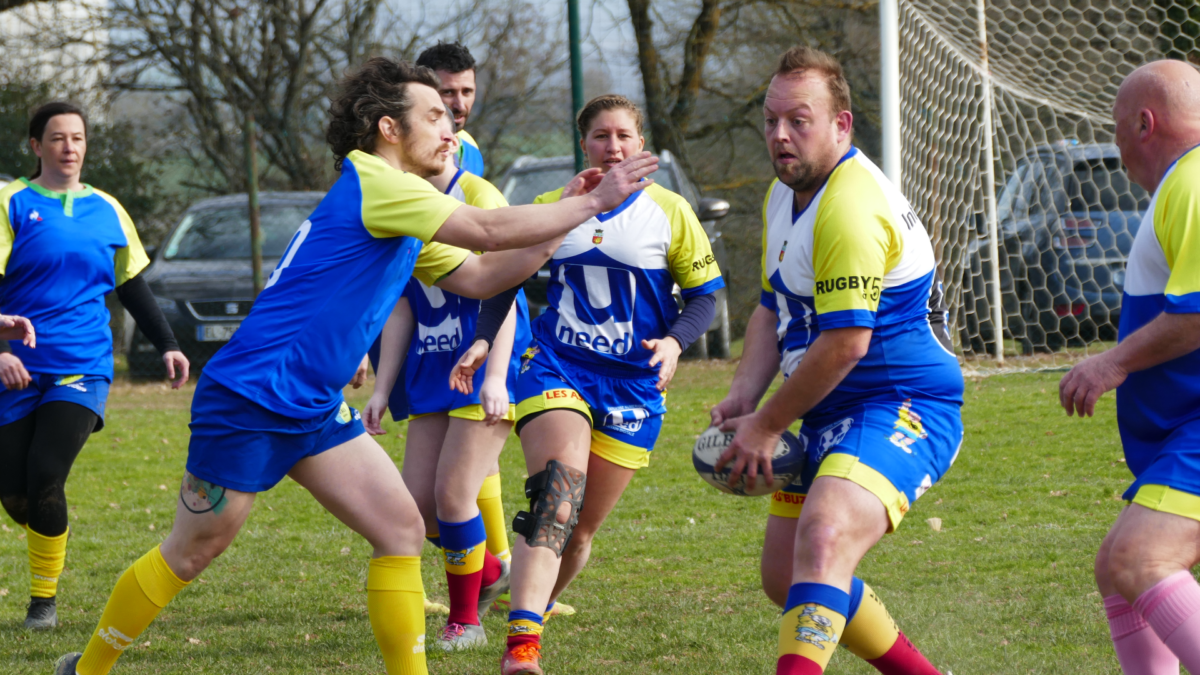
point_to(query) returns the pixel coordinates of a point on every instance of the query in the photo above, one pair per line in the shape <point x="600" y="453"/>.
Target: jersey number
<point x="293" y="246"/>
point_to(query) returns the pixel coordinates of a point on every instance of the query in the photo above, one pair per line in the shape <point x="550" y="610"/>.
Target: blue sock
<point x="856" y="595"/>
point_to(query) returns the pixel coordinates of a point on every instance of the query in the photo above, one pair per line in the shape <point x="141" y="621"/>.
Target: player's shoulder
<point x="467" y="138"/>
<point x="549" y="197"/>
<point x="375" y="174"/>
<point x="480" y="192"/>
<point x="1183" y="178"/>
<point x="672" y="203"/>
<point x="8" y="191"/>
<point x="855" y="189"/>
<point x="113" y="201"/>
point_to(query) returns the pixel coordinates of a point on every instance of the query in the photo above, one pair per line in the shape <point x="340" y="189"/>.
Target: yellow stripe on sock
<point x="812" y="631"/>
<point x="872" y="631"/>
<point x="491" y="507"/>
<point x="141" y="592"/>
<point x="396" y="607"/>
<point x="524" y="627"/>
<point x="47" y="556"/>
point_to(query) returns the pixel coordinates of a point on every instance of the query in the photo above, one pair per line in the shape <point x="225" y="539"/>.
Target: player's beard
<point x="426" y="163"/>
<point x="803" y="175"/>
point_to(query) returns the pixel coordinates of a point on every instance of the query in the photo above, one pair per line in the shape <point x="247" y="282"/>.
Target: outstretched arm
<point x="520" y="226"/>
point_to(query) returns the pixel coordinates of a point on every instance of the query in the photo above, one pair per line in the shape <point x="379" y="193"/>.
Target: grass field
<point x="672" y="587"/>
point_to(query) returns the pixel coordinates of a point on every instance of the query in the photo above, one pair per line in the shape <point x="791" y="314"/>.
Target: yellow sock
<point x="492" y="508"/>
<point x="813" y="623"/>
<point x="872" y="631"/>
<point x="396" y="608"/>
<point x="141" y="592"/>
<point x="47" y="555"/>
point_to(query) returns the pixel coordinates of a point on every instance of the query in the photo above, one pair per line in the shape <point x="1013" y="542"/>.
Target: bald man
<point x="1143" y="567"/>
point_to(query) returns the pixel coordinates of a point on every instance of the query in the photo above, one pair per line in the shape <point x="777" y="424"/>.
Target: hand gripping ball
<point x="787" y="463"/>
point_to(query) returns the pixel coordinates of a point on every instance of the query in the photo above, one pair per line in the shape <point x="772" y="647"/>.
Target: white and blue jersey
<point x="469" y="158"/>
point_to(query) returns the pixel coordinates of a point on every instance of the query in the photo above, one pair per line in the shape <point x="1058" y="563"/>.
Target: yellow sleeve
<point x="400" y="204"/>
<point x="549" y="197"/>
<point x="690" y="255"/>
<point x="1177" y="226"/>
<point x="436" y="260"/>
<point x="855" y="243"/>
<point x="480" y="193"/>
<point x="7" y="236"/>
<point x="132" y="259"/>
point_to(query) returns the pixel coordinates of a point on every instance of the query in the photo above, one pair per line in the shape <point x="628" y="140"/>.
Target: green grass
<point x="672" y="587"/>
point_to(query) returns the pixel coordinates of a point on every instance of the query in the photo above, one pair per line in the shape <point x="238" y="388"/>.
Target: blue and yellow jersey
<point x="1163" y="275"/>
<point x="60" y="254"/>
<point x="445" y="324"/>
<point x="334" y="287"/>
<point x="612" y="277"/>
<point x="857" y="255"/>
<point x="469" y="158"/>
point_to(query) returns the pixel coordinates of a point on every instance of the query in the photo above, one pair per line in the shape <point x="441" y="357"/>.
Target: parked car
<point x="531" y="176"/>
<point x="1066" y="217"/>
<point x="201" y="275"/>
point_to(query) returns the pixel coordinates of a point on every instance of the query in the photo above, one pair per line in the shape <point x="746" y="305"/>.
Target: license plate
<point x="215" y="332"/>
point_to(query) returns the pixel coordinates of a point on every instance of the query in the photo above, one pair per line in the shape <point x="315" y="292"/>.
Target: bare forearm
<point x="483" y="276"/>
<point x="501" y="353"/>
<point x="760" y="358"/>
<point x="393" y="346"/>
<point x="1167" y="337"/>
<point x="828" y="361"/>
<point x="514" y="227"/>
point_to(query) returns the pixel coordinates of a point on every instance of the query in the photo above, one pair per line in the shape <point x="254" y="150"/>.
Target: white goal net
<point x="1064" y="210"/>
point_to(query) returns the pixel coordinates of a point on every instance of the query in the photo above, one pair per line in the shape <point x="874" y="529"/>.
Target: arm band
<point x="492" y="313"/>
<point x="5" y="348"/>
<point x="694" y="320"/>
<point x="136" y="297"/>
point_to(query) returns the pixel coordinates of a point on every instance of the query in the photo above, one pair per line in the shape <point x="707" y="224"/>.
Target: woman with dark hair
<point x="64" y="245"/>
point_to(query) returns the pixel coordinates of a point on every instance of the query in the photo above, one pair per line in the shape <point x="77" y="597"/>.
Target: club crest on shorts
<point x="527" y="358"/>
<point x="833" y="435"/>
<point x="908" y="428"/>
<point x="598" y="236"/>
<point x="815" y="629"/>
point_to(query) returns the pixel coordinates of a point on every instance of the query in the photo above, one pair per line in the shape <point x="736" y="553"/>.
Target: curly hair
<point x="450" y="57"/>
<point x="41" y="117"/>
<point x="376" y="90"/>
<point x="594" y="107"/>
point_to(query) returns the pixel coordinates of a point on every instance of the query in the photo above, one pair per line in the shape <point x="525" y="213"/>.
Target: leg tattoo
<point x="201" y="496"/>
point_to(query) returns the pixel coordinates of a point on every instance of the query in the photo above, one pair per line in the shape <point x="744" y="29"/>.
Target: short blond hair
<point x="800" y="60"/>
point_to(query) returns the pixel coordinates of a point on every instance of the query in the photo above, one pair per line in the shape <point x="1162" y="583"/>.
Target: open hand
<point x="728" y="409"/>
<point x="177" y="365"/>
<point x="1087" y="382"/>
<point x="372" y="414"/>
<point x="751" y="451"/>
<point x="666" y="356"/>
<point x="623" y="180"/>
<point x="13" y="373"/>
<point x="583" y="182"/>
<point x="462" y="375"/>
<point x="493" y="396"/>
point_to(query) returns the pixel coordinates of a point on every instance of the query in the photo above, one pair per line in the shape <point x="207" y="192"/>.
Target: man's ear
<point x="389" y="130"/>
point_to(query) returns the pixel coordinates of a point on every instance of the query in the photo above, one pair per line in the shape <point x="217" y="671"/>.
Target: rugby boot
<point x="560" y="609"/>
<point x="457" y="637"/>
<point x="489" y="594"/>
<point x="42" y="614"/>
<point x="521" y="660"/>
<point x="434" y="608"/>
<point x="65" y="665"/>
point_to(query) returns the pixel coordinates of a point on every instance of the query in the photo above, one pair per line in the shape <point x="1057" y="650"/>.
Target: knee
<point x="1101" y="570"/>
<point x="189" y="558"/>
<point x="1129" y="569"/>
<point x="822" y="543"/>
<point x="17" y="507"/>
<point x="448" y="493"/>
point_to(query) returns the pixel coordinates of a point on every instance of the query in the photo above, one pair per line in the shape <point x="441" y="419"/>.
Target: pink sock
<point x="1138" y="649"/>
<point x="1172" y="608"/>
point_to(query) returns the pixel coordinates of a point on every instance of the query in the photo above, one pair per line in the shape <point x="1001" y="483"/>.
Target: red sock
<point x="903" y="659"/>
<point x="794" y="664"/>
<point x="464" y="597"/>
<point x="491" y="569"/>
<point x="514" y="640"/>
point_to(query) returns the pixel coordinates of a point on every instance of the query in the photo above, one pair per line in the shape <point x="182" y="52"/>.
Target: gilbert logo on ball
<point x="786" y="462"/>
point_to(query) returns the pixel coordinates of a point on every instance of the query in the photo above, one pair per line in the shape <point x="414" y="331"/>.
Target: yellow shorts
<point x="1168" y="500"/>
<point x="788" y="502"/>
<point x="472" y="412"/>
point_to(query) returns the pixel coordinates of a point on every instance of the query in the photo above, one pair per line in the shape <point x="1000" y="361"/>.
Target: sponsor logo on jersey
<point x="596" y="309"/>
<point x="35" y="216"/>
<point x="598" y="236"/>
<point x="908" y="428"/>
<point x="701" y="263"/>
<point x="444" y="337"/>
<point x="627" y="420"/>
<point x="869" y="287"/>
<point x="815" y="629"/>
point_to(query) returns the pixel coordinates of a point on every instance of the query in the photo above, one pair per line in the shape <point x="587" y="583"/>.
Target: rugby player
<point x="455" y="68"/>
<point x="591" y="388"/>
<point x="64" y="245"/>
<point x="270" y="402"/>
<point x="453" y="438"/>
<point x="852" y="311"/>
<point x="1143" y="568"/>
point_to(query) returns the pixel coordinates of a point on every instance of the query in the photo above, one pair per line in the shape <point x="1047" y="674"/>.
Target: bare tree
<point x="9" y="4"/>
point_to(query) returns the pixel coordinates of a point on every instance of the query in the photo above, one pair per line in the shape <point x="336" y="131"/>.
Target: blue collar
<point x="604" y="217"/>
<point x="454" y="181"/>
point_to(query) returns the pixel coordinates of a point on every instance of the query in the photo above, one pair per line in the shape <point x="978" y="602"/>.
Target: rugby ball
<point x="786" y="463"/>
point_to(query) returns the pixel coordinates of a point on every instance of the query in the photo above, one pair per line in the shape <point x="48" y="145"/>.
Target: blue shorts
<point x="238" y="444"/>
<point x="89" y="391"/>
<point x="1167" y="472"/>
<point x="896" y="450"/>
<point x="626" y="412"/>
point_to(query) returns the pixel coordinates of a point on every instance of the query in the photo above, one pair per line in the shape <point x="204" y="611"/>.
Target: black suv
<point x="532" y="176"/>
<point x="201" y="274"/>
<point x="1067" y="217"/>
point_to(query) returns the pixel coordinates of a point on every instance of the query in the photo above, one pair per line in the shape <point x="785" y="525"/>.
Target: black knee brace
<point x="547" y="491"/>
